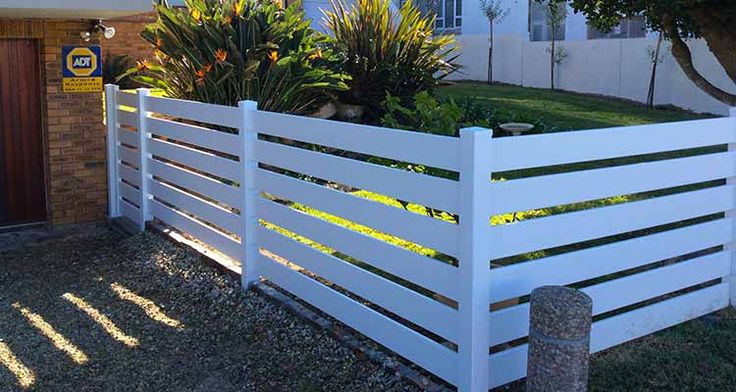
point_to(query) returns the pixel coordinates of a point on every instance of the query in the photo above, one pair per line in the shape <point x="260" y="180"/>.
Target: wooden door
<point x="22" y="183"/>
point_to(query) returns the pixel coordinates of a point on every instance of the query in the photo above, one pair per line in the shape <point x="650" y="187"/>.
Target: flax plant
<point x="387" y="52"/>
<point x="225" y="51"/>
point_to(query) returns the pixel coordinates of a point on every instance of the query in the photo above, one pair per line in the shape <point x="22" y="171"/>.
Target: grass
<point x="564" y="110"/>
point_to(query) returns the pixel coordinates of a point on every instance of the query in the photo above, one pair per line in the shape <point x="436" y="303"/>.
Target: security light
<point x="107" y="32"/>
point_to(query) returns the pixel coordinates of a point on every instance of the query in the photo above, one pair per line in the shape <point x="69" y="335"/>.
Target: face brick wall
<point x="73" y="129"/>
<point x="127" y="40"/>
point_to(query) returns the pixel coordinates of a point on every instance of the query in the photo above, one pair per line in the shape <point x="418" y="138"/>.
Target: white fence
<point x="298" y="202"/>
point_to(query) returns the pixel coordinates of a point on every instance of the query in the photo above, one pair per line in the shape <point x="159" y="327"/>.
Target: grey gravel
<point x="229" y="341"/>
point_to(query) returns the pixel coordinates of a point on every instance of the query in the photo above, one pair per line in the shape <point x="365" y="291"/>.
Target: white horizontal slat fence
<point x="639" y="218"/>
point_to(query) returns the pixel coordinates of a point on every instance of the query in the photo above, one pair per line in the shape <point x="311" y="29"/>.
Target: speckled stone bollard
<point x="559" y="340"/>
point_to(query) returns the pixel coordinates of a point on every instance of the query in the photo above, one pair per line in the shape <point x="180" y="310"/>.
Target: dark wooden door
<point x="22" y="184"/>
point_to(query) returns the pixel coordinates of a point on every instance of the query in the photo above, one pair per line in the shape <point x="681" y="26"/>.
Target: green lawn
<point x="564" y="110"/>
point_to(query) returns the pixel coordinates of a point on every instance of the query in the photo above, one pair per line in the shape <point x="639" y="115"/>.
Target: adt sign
<point x="82" y="69"/>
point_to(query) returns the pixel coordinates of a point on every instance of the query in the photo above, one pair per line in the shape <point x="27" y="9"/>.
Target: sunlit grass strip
<point x="22" y="373"/>
<point x="102" y="320"/>
<point x="152" y="310"/>
<point x="57" y="339"/>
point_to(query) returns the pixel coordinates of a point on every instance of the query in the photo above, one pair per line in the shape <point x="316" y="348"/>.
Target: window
<point x="540" y="28"/>
<point x="449" y="15"/>
<point x="634" y="27"/>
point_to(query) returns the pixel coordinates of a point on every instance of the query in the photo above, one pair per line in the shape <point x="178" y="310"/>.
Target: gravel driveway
<point x="104" y="312"/>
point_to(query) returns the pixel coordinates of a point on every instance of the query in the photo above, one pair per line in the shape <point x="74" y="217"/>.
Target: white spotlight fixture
<point x="107" y="32"/>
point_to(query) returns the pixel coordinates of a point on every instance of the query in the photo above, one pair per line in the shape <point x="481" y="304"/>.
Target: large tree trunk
<point x="682" y="54"/>
<point x="717" y="28"/>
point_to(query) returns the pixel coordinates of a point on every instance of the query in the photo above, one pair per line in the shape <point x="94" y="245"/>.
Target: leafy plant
<point x="388" y="53"/>
<point x="225" y="51"/>
<point x="113" y="67"/>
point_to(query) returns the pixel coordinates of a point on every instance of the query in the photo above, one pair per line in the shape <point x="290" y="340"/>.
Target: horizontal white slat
<point x="393" y="335"/>
<point x="511" y="153"/>
<point x="129" y="193"/>
<point x="410" y="305"/>
<point x="130" y="211"/>
<point x="206" y="186"/>
<point x="566" y="188"/>
<point x="126" y="99"/>
<point x="631" y="325"/>
<point x="197" y="111"/>
<point x="413" y="187"/>
<point x="204" y="233"/>
<point x="424" y="271"/>
<point x="129" y="174"/>
<point x="128" y="137"/>
<point x="129" y="156"/>
<point x="421" y="229"/>
<point x="200" y="136"/>
<point x="510" y="365"/>
<point x="573" y="227"/>
<point x="520" y="279"/>
<point x="127" y="118"/>
<point x="198" y="159"/>
<point x="197" y="206"/>
<point x="513" y="323"/>
<point x="433" y="150"/>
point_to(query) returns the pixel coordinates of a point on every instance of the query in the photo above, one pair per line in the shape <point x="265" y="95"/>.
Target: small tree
<point x="555" y="14"/>
<point x="495" y="13"/>
<point x="655" y="58"/>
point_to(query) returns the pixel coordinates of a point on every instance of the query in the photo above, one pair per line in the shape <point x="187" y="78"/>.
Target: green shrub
<point x="388" y="53"/>
<point x="225" y="51"/>
<point x="114" y="69"/>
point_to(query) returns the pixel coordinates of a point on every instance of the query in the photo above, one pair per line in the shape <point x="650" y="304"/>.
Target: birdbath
<point x="516" y="129"/>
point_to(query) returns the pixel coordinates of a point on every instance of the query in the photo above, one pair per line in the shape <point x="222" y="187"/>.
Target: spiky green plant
<point x="387" y="52"/>
<point x="224" y="51"/>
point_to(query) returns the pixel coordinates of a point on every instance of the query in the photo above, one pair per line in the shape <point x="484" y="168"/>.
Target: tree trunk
<point x="490" y="54"/>
<point x="682" y="54"/>
<point x="716" y="27"/>
<point x="552" y="63"/>
<point x="652" y="81"/>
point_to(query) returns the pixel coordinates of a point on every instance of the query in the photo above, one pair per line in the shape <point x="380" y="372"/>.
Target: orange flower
<point x="316" y="55"/>
<point x="159" y="43"/>
<point x="221" y="55"/>
<point x="196" y="14"/>
<point x="228" y="19"/>
<point x="202" y="73"/>
<point x="273" y="56"/>
<point x="142" y="65"/>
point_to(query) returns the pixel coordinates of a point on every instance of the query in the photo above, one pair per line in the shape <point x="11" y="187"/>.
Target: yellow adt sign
<point x="82" y="69"/>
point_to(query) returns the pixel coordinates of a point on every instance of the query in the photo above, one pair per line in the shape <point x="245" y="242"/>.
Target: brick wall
<point x="73" y="130"/>
<point x="127" y="40"/>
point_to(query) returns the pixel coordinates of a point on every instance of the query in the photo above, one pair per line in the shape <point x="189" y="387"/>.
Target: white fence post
<point x="143" y="137"/>
<point x="732" y="215"/>
<point x="111" y="120"/>
<point x="474" y="263"/>
<point x="249" y="274"/>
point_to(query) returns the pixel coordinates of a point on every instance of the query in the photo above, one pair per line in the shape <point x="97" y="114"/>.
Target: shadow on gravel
<point x="102" y="312"/>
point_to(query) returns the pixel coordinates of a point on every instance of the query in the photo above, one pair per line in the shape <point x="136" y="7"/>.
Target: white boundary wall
<point x="612" y="67"/>
<point x="239" y="181"/>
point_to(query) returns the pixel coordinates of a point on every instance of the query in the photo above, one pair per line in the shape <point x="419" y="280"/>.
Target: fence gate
<point x="640" y="218"/>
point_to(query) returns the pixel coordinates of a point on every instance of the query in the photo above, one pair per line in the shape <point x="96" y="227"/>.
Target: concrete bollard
<point x="559" y="340"/>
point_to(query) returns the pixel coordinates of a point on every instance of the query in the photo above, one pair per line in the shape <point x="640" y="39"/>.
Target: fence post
<point x="111" y="121"/>
<point x="249" y="269"/>
<point x="732" y="215"/>
<point x="143" y="137"/>
<point x="474" y="260"/>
